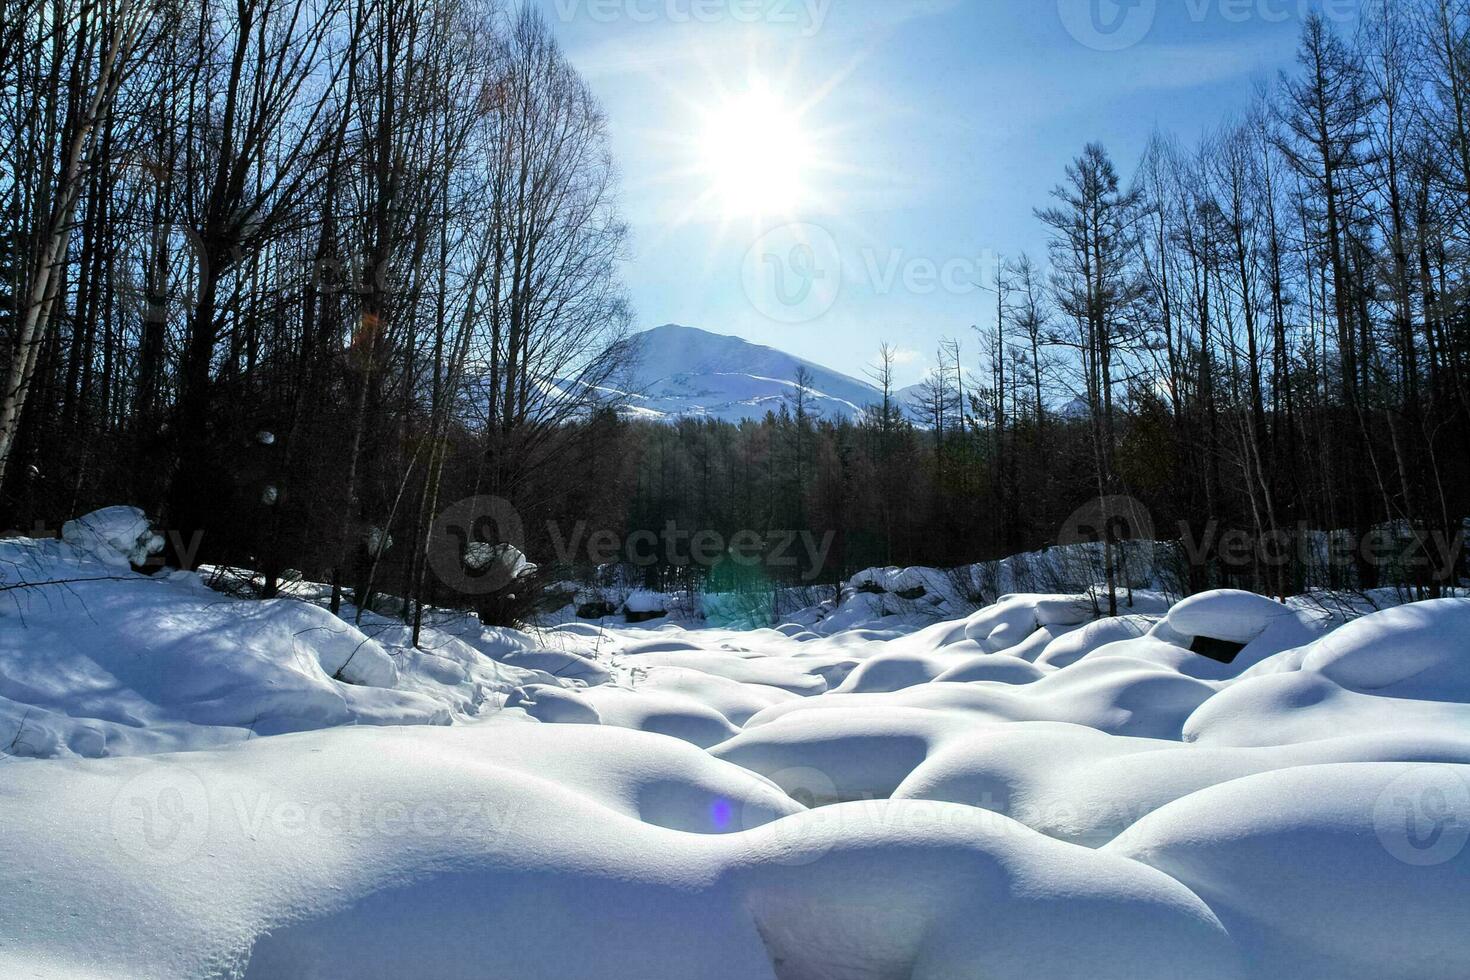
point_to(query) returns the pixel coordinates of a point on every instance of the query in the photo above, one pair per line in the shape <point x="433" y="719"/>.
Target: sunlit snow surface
<point x="199" y="786"/>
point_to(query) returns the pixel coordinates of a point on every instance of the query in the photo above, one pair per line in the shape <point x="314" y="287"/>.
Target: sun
<point x="755" y="152"/>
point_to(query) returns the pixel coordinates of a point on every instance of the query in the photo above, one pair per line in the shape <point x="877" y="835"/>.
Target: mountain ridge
<point x="678" y="372"/>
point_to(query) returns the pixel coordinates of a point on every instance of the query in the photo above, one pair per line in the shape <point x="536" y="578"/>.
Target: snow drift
<point x="1225" y="786"/>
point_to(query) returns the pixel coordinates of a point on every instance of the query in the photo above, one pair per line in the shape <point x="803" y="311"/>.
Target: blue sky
<point x="925" y="132"/>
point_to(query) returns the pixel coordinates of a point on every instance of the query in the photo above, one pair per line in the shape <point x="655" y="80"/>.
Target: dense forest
<point x="297" y="276"/>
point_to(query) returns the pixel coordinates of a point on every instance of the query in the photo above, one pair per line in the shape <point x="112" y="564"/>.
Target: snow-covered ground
<point x="200" y="786"/>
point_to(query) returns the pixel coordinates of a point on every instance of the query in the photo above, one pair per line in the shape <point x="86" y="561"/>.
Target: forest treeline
<point x="264" y="259"/>
<point x="296" y="276"/>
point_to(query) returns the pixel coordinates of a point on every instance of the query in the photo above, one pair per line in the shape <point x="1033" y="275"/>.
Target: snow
<point x="683" y="372"/>
<point x="194" y="784"/>
<point x="1225" y="614"/>
<point x="554" y="705"/>
<point x="114" y="535"/>
<point x="1414" y="651"/>
<point x="480" y="555"/>
<point x="1080" y="785"/>
<point x="667" y="713"/>
<point x="736" y="701"/>
<point x="896" y="671"/>
<point x="1302" y="706"/>
<point x="99" y="660"/>
<point x="1071" y="647"/>
<point x="646" y="602"/>
<point x="992" y="667"/>
<point x="1345" y="870"/>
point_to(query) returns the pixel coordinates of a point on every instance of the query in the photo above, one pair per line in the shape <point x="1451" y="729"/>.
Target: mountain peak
<point x="687" y="372"/>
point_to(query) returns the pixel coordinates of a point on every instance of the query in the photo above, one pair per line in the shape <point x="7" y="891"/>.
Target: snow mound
<point x="563" y="664"/>
<point x="1082" y="786"/>
<point x="1115" y="695"/>
<point x="1225" y="614"/>
<point x="667" y="713"/>
<point x="118" y="536"/>
<point x="390" y="853"/>
<point x="795" y="675"/>
<point x="1421" y="650"/>
<point x="657" y="780"/>
<point x="736" y="701"/>
<point x="1302" y="706"/>
<point x="992" y="667"/>
<point x="932" y="891"/>
<point x="554" y="705"/>
<point x="1347" y="871"/>
<point x="1072" y="647"/>
<point x="823" y="757"/>
<point x="1006" y="623"/>
<point x="895" y="671"/>
<point x="1402" y="669"/>
<point x="96" y="659"/>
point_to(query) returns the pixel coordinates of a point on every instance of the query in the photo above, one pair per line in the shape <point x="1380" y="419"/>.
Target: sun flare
<point x="755" y="153"/>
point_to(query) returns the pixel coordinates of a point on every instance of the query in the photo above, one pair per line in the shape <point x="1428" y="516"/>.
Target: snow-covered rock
<point x="1225" y="614"/>
<point x="896" y="671"/>
<point x="480" y="555"/>
<point x="736" y="701"/>
<point x="1396" y="670"/>
<point x="118" y="536"/>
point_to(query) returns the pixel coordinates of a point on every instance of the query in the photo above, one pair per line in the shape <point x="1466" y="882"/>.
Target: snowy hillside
<point x="199" y="786"/>
<point x="682" y="372"/>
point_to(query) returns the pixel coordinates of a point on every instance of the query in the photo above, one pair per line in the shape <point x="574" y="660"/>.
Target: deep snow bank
<point x="97" y="659"/>
<point x="391" y="853"/>
<point x="1348" y="871"/>
<point x="620" y="802"/>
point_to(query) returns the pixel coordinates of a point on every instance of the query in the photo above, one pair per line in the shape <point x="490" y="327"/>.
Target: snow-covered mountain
<point x="682" y="372"/>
